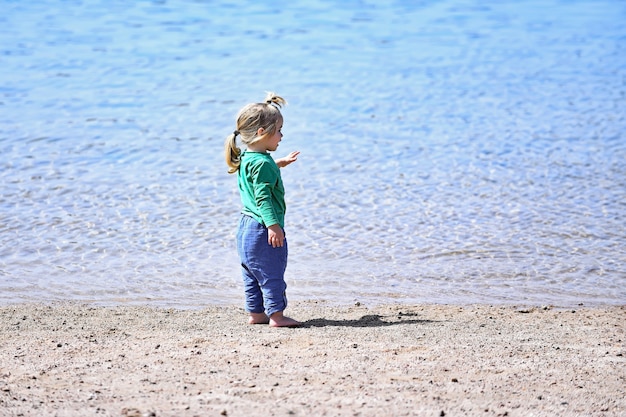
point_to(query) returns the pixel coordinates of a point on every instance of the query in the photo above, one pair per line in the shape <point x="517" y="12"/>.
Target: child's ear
<point x="260" y="131"/>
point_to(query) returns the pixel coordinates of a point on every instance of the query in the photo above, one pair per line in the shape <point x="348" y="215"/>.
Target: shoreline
<point x="72" y="359"/>
<point x="372" y="302"/>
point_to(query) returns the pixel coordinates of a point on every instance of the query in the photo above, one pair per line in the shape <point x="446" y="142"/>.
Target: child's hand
<point x="292" y="157"/>
<point x="275" y="236"/>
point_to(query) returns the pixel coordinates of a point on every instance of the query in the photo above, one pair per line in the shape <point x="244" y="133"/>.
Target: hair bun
<point x="273" y="99"/>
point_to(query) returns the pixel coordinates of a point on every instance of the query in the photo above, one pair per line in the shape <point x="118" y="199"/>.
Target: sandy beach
<point x="358" y="360"/>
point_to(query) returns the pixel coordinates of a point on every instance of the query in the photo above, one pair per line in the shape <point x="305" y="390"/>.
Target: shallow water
<point x="452" y="152"/>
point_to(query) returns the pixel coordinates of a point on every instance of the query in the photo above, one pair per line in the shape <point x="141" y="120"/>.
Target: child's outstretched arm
<point x="283" y="162"/>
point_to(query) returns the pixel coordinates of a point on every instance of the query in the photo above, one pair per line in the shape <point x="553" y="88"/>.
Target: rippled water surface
<point x="452" y="151"/>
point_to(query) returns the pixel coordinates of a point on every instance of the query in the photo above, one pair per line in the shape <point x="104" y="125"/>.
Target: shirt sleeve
<point x="265" y="179"/>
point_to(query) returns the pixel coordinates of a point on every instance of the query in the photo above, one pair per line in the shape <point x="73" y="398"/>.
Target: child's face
<point x="272" y="141"/>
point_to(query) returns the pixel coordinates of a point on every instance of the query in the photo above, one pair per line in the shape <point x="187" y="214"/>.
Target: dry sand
<point x="422" y="360"/>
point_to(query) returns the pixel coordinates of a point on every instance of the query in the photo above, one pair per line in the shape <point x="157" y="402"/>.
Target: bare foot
<point x="278" y="320"/>
<point x="258" y="318"/>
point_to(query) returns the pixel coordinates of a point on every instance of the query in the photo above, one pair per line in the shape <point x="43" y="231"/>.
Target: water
<point x="452" y="151"/>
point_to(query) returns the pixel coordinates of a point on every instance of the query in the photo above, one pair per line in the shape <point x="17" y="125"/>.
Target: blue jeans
<point x="263" y="268"/>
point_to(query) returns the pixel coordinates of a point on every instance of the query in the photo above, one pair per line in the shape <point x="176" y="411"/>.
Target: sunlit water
<point x="452" y="152"/>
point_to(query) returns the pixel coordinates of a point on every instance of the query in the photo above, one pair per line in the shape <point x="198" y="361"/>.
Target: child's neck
<point x="257" y="148"/>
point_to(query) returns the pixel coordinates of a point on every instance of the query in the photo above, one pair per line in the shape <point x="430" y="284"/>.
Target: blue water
<point x="451" y="151"/>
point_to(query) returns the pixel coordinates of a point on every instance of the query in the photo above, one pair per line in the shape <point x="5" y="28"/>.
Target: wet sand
<point x="421" y="360"/>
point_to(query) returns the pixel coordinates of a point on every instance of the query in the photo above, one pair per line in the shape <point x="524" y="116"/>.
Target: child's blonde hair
<point x="249" y="120"/>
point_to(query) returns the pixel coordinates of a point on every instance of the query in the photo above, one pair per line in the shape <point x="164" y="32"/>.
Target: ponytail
<point x="232" y="153"/>
<point x="272" y="99"/>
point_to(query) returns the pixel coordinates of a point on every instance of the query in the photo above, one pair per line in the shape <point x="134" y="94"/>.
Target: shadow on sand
<point x="373" y="320"/>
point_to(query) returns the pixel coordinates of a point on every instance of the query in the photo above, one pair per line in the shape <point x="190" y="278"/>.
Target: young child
<point x="261" y="241"/>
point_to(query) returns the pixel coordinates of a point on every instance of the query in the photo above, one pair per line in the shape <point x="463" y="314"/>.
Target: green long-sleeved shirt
<point x="261" y="189"/>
